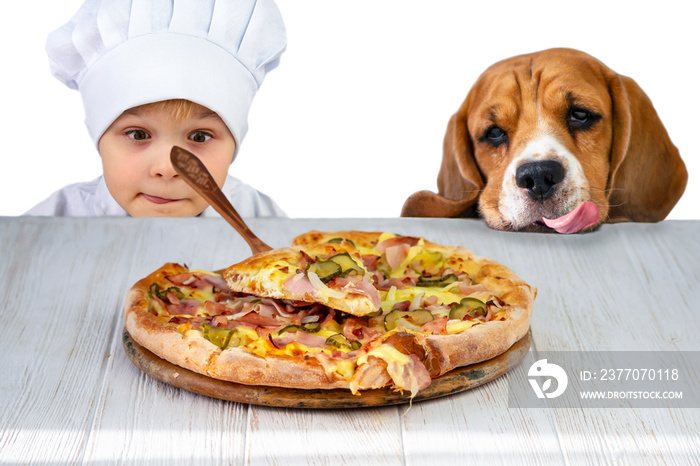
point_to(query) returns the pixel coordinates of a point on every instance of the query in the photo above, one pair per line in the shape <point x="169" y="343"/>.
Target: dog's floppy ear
<point x="459" y="180"/>
<point x="647" y="175"/>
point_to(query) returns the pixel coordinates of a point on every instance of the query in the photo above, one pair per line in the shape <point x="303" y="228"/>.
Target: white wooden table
<point x="71" y="395"/>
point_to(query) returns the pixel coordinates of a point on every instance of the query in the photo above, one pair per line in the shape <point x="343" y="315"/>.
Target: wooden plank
<point x="56" y="338"/>
<point x="137" y="412"/>
<point x="603" y="296"/>
<point x="342" y="437"/>
<point x="140" y="420"/>
<point x="477" y="427"/>
<point x="665" y="262"/>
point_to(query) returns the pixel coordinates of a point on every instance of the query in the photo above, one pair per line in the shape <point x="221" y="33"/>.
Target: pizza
<point x="337" y="310"/>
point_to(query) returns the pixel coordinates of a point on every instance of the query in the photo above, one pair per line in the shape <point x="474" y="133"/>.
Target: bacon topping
<point x="172" y="297"/>
<point x="417" y="372"/>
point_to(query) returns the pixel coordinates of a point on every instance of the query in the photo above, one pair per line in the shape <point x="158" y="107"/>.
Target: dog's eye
<point x="495" y="136"/>
<point x="581" y="119"/>
<point x="579" y="116"/>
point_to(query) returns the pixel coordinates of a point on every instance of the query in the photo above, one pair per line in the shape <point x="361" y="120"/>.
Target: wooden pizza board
<point x="455" y="381"/>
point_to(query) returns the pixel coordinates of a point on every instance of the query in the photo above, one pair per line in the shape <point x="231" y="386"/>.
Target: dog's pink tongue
<point x="585" y="215"/>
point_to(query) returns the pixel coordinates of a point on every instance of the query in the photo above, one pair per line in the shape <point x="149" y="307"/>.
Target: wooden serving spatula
<point x="195" y="174"/>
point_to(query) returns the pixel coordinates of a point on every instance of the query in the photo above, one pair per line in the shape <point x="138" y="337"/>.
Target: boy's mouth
<point x="157" y="200"/>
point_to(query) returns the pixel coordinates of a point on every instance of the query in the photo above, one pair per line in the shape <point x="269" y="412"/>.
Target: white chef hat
<point x="123" y="53"/>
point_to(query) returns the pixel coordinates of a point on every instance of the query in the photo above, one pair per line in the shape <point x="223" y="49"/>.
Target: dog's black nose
<point x="539" y="178"/>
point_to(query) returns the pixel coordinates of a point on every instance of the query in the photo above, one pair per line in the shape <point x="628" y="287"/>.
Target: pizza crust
<point x="149" y="331"/>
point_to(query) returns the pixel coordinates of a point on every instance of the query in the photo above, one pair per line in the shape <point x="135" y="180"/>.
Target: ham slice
<point x="396" y="254"/>
<point x="300" y="285"/>
<point x="188" y="279"/>
<point x="307" y="339"/>
<point x="436" y="327"/>
<point x="387" y="243"/>
<point x="184" y="307"/>
<point x="466" y="290"/>
<point x="215" y="281"/>
<point x="367" y="289"/>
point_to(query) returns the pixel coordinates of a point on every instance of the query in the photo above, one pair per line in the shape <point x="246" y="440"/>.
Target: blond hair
<point x="178" y="108"/>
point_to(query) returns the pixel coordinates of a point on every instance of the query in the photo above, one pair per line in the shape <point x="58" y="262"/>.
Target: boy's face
<point x="135" y="153"/>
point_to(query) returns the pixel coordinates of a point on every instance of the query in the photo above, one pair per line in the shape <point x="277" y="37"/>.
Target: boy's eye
<point x="138" y="134"/>
<point x="200" y="136"/>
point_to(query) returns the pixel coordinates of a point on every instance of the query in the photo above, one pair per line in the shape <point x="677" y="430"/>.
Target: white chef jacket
<point x="92" y="199"/>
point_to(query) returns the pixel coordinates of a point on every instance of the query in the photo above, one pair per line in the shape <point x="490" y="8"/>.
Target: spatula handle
<point x="195" y="174"/>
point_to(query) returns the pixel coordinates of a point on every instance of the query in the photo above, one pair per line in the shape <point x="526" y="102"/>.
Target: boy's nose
<point x="162" y="167"/>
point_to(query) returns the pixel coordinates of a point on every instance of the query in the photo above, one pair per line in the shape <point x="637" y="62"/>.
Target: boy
<point x="154" y="74"/>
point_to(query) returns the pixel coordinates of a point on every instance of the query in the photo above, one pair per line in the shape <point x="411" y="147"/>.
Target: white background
<point x="352" y="121"/>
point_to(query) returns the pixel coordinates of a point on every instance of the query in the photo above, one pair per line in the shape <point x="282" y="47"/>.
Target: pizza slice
<point x="330" y="273"/>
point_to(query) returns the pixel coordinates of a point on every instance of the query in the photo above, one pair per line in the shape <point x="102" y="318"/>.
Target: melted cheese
<point x="394" y="296"/>
<point x="271" y="276"/>
<point x="344" y="368"/>
<point x="460" y="325"/>
<point x="387" y="353"/>
<point x="385" y="236"/>
<point x="447" y="295"/>
<point x="261" y="347"/>
<point x="201" y="295"/>
<point x="248" y="333"/>
<point x="413" y="252"/>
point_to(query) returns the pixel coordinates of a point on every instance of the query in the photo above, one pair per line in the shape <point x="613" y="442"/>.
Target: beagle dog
<point x="554" y="141"/>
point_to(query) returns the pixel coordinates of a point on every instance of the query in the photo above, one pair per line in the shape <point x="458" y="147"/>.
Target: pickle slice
<point x="311" y="327"/>
<point x="221" y="337"/>
<point x="162" y="294"/>
<point x="339" y="341"/>
<point x="437" y="282"/>
<point x="347" y="263"/>
<point x="468" y="307"/>
<point x="339" y="265"/>
<point x="326" y="270"/>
